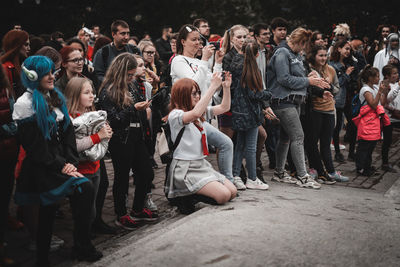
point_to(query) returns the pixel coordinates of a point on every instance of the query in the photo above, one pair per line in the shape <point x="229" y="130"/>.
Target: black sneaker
<point x="100" y="227"/>
<point x="144" y="215"/>
<point x="90" y="254"/>
<point x="127" y="222"/>
<point x="325" y="179"/>
<point x="388" y="168"/>
<point x="339" y="157"/>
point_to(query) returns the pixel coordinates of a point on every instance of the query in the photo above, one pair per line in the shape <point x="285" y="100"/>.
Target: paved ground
<point x="361" y="188"/>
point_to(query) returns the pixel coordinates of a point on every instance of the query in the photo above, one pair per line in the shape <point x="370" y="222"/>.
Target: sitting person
<point x="190" y="173"/>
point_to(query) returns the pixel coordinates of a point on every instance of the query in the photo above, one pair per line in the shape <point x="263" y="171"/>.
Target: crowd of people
<point x="66" y="105"/>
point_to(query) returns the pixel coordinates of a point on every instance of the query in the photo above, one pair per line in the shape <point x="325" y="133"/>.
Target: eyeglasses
<point x="76" y="60"/>
<point x="150" y="53"/>
<point x="196" y="93"/>
<point x="125" y="33"/>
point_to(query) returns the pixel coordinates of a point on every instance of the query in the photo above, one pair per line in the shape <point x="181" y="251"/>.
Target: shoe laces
<point x="128" y="219"/>
<point x="148" y="212"/>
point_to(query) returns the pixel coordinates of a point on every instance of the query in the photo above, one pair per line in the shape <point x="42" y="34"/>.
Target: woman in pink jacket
<point x="369" y="121"/>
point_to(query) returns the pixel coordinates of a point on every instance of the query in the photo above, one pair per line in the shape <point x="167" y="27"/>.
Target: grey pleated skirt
<point x="186" y="177"/>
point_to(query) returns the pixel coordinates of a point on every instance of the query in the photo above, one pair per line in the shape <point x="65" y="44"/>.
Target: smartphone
<point x="217" y="45"/>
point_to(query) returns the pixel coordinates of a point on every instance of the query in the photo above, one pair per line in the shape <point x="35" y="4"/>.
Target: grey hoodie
<point x="286" y="74"/>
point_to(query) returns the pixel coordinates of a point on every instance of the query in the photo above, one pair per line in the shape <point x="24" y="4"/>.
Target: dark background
<point x="150" y="15"/>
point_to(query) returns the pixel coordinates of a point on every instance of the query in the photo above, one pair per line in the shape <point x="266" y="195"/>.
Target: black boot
<point x="100" y="227"/>
<point x="86" y="253"/>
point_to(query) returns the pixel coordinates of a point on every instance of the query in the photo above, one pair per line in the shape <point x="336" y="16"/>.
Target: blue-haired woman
<point x="48" y="172"/>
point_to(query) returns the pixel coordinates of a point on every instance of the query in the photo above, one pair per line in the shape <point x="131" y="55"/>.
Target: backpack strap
<point x="178" y="139"/>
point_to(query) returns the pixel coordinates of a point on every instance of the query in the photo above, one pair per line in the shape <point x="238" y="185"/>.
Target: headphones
<point x="30" y="74"/>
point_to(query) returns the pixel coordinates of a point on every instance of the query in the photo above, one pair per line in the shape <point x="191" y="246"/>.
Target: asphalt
<point x="348" y="224"/>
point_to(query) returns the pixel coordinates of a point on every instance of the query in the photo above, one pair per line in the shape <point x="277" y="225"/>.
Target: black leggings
<point x="322" y="129"/>
<point x="133" y="155"/>
<point x="364" y="154"/>
<point x="351" y="129"/>
<point x="101" y="193"/>
<point x="82" y="204"/>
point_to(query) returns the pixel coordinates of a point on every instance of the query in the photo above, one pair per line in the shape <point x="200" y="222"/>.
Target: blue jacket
<point x="246" y="104"/>
<point x="286" y="74"/>
<point x="344" y="83"/>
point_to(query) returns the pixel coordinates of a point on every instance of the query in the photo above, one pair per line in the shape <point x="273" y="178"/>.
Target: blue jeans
<point x="246" y="145"/>
<point x="292" y="135"/>
<point x="225" y="146"/>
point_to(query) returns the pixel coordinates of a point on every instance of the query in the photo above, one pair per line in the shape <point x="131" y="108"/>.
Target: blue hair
<point x="46" y="120"/>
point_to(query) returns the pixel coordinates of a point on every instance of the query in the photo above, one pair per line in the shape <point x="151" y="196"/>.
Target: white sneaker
<point x="237" y="181"/>
<point x="283" y="177"/>
<point x="256" y="184"/>
<point x="307" y="182"/>
<point x="149" y="203"/>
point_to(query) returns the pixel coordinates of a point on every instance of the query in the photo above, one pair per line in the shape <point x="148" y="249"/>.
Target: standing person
<point x="322" y="119"/>
<point x="341" y="60"/>
<point x="391" y="74"/>
<point x="163" y="45"/>
<point x="16" y="47"/>
<point x="102" y="59"/>
<point x="287" y="81"/>
<point x="152" y="64"/>
<point x="377" y="45"/>
<point x="389" y="55"/>
<point x="71" y="66"/>
<point x="369" y="121"/>
<point x="279" y="30"/>
<point x="190" y="173"/>
<point x="80" y="99"/>
<point x="247" y="114"/>
<point x="48" y="173"/>
<point x="88" y="69"/>
<point x="166" y="79"/>
<point x="186" y="65"/>
<point x="126" y="114"/>
<point x="8" y="158"/>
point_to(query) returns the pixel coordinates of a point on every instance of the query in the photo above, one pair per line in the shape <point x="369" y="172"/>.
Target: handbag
<point x="87" y="124"/>
<point x="164" y="144"/>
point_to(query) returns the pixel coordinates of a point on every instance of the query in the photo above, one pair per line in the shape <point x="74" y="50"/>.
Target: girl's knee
<point x="223" y="197"/>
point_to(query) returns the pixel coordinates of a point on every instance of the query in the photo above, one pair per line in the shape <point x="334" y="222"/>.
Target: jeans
<point x="246" y="145"/>
<point x="364" y="154"/>
<point x="225" y="147"/>
<point x="291" y="134"/>
<point x="322" y="129"/>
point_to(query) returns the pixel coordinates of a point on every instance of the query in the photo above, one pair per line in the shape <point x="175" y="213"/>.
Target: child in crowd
<point x="80" y="98"/>
<point x="369" y="120"/>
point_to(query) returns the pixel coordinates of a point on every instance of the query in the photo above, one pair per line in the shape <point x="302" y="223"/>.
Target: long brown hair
<point x="12" y="43"/>
<point x="115" y="79"/>
<point x="251" y="76"/>
<point x="73" y="92"/>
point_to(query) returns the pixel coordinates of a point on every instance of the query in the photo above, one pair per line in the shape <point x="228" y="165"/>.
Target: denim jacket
<point x="344" y="81"/>
<point x="286" y="74"/>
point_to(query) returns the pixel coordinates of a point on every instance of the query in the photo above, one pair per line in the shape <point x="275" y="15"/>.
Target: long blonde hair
<point x="229" y="34"/>
<point x="73" y="92"/>
<point x="115" y="79"/>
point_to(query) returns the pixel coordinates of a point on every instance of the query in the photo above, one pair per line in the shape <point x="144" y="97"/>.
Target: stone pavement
<point x="63" y="227"/>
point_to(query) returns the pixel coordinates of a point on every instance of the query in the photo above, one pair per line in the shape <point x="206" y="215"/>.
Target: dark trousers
<point x="101" y="193"/>
<point x="364" y="154"/>
<point x="322" y="129"/>
<point x="387" y="140"/>
<point x="272" y="139"/>
<point x="132" y="155"/>
<point x="6" y="187"/>
<point x="82" y="204"/>
<point x="351" y="129"/>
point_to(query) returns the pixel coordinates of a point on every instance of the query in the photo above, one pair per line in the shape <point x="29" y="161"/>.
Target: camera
<point x="217" y="44"/>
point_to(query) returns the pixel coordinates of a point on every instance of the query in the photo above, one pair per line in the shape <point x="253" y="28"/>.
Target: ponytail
<point x="251" y="76"/>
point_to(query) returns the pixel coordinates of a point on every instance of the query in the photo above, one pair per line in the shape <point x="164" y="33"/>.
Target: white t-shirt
<point x="190" y="146"/>
<point x="365" y="89"/>
<point x="195" y="69"/>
